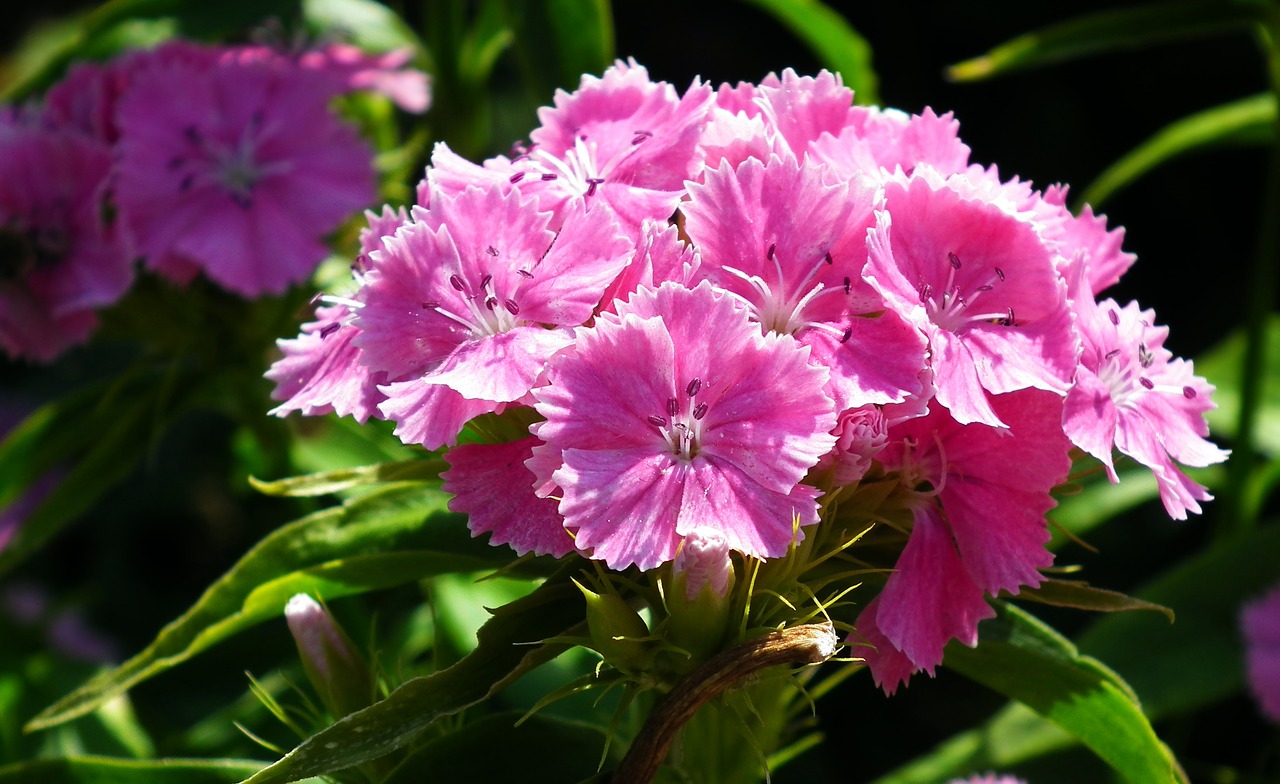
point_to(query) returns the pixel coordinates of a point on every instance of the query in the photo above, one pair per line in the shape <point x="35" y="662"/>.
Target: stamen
<point x="848" y="286"/>
<point x="657" y="421"/>
<point x="1115" y="317"/>
<point x="1000" y="274"/>
<point x="1146" y="382"/>
<point x="641" y="136"/>
<point x="517" y="177"/>
<point x="773" y="249"/>
<point x="700" y="411"/>
<point x="492" y="251"/>
<point x="456" y="282"/>
<point x="491" y="303"/>
<point x="1112" y="354"/>
<point x="548" y="177"/>
<point x="430" y="304"/>
<point x="592" y="182"/>
<point x="848" y="333"/>
<point x="673" y="406"/>
<point x="954" y="259"/>
<point x="1188" y="393"/>
<point x="524" y="273"/>
<point x="329" y="329"/>
<point x="827" y="258"/>
<point x="512" y="307"/>
<point x="693" y="387"/>
<point x="1145" y="357"/>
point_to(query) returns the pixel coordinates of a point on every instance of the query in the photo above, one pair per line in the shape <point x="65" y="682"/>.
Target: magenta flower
<point x="1260" y="626"/>
<point x="978" y="526"/>
<point x="620" y="141"/>
<point x="980" y="284"/>
<point x="791" y="248"/>
<point x="214" y="176"/>
<point x="493" y="487"/>
<point x="670" y="416"/>
<point x="458" y="303"/>
<point x="60" y="261"/>
<point x="1131" y="394"/>
<point x="878" y="142"/>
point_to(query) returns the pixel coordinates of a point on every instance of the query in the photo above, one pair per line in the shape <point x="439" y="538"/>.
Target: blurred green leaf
<point x="1025" y="660"/>
<point x="1221" y="366"/>
<point x="399" y="533"/>
<point x="1246" y="121"/>
<point x="367" y="24"/>
<point x="108" y="770"/>
<point x="838" y="46"/>
<point x="1121" y="28"/>
<point x="467" y="754"/>
<point x="329" y="482"/>
<point x="508" y="645"/>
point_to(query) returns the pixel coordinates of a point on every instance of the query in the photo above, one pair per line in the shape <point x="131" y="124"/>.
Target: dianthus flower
<point x="1260" y="625"/>
<point x="60" y="260"/>
<point x="675" y="413"/>
<point x="214" y="175"/>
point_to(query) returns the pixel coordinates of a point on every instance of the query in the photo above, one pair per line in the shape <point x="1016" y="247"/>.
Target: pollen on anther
<point x="329" y="329"/>
<point x="512" y="306"/>
<point x="1146" y="382"/>
<point x="657" y="421"/>
<point x="457" y="283"/>
<point x="700" y="410"/>
<point x="954" y="260"/>
<point x="517" y="177"/>
<point x="848" y="333"/>
<point x="693" y="387"/>
<point x="773" y="249"/>
<point x="548" y="177"/>
<point x="1188" y="393"/>
<point x="491" y="303"/>
<point x="848" y="285"/>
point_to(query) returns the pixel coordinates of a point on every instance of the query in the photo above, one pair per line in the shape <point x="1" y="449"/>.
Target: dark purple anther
<point x="1146" y="382"/>
<point x="525" y="274"/>
<point x="827" y="258"/>
<point x="329" y="329"/>
<point x="673" y="406"/>
<point x="657" y="421"/>
<point x="1000" y="274"/>
<point x="700" y="411"/>
<point x="592" y="183"/>
<point x="1115" y="317"/>
<point x="512" y="306"/>
<point x="1112" y="354"/>
<point x="457" y="283"/>
<point x="486" y="280"/>
<point x="773" y="249"/>
<point x="430" y="304"/>
<point x="548" y="177"/>
<point x="1009" y="320"/>
<point x="926" y="292"/>
<point x="848" y="286"/>
<point x="985" y="287"/>
<point x="848" y="333"/>
<point x="640" y="136"/>
<point x="491" y="303"/>
<point x="517" y="177"/>
<point x="492" y="251"/>
<point x="954" y="259"/>
<point x="1145" y="358"/>
<point x="693" y="387"/>
<point x="1189" y="393"/>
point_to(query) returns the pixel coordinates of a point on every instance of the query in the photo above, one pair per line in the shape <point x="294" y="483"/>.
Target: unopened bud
<point x="337" y="672"/>
<point x="618" y="633"/>
<point x="698" y="594"/>
<point x="860" y="435"/>
<point x="704" y="562"/>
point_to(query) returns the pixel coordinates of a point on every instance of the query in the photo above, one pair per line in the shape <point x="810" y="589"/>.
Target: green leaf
<point x="1122" y="28"/>
<point x="1079" y="595"/>
<point x="508" y="645"/>
<point x="1246" y="121"/>
<point x="1025" y="660"/>
<point x="108" y="770"/>
<point x="1221" y="366"/>
<point x="467" y="754"/>
<point x="399" y="533"/>
<point x="367" y="24"/>
<point x="838" y="46"/>
<point x="329" y="482"/>
<point x="583" y="38"/>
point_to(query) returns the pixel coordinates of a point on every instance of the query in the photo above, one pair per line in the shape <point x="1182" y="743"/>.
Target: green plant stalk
<point x="1237" y="517"/>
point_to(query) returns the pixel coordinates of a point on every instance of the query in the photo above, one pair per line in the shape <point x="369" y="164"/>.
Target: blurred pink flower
<point x="1260" y="627"/>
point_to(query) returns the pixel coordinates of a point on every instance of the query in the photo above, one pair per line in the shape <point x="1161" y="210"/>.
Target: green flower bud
<point x="337" y="672"/>
<point x="618" y="633"/>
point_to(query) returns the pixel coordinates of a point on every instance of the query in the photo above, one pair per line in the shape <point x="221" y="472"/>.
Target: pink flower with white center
<point x="678" y="413"/>
<point x="877" y="142"/>
<point x="1131" y="394"/>
<point x="215" y="176"/>
<point x="321" y="371"/>
<point x="791" y="248"/>
<point x="619" y="141"/>
<point x="464" y="305"/>
<point x="980" y="497"/>
<point x="493" y="487"/>
<point x="59" y="259"/>
<point x="981" y="284"/>
<point x="1260" y="627"/>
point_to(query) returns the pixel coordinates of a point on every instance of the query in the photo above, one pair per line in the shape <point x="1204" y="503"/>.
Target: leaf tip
<point x="970" y="70"/>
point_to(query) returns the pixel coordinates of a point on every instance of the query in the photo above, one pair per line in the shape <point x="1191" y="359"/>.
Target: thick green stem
<point x="1238" y="514"/>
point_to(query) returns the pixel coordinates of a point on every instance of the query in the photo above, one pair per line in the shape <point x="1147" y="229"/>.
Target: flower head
<point x="1260" y="624"/>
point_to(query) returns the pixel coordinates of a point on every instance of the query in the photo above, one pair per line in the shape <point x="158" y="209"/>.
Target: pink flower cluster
<point x="714" y="311"/>
<point x="221" y="161"/>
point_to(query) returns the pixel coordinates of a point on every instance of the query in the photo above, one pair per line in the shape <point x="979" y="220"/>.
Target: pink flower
<point x="60" y="261"/>
<point x="492" y="486"/>
<point x="978" y="527"/>
<point x="214" y="175"/>
<point x="457" y="305"/>
<point x="861" y="433"/>
<point x="678" y="413"/>
<point x="877" y="142"/>
<point x="791" y="248"/>
<point x="382" y="73"/>
<point x="980" y="284"/>
<point x="1131" y="393"/>
<point x="703" y="559"/>
<point x="619" y="141"/>
<point x="988" y="778"/>
<point x="1260" y="626"/>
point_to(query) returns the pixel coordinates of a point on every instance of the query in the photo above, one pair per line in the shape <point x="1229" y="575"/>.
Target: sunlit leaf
<point x="837" y="44"/>
<point x="1246" y="121"/>
<point x="365" y="23"/>
<point x="398" y="534"/>
<point x="1120" y="28"/>
<point x="1079" y="595"/>
<point x="1025" y="660"/>
<point x="508" y="645"/>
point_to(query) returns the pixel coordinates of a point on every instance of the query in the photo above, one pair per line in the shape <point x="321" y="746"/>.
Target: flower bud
<point x="703" y="563"/>
<point x="860" y="435"/>
<point x="698" y="593"/>
<point x="618" y="633"/>
<point x="337" y="672"/>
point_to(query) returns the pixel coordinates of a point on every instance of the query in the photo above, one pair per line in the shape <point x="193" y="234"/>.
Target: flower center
<point x="22" y="251"/>
<point x="478" y="306"/>
<point x="234" y="167"/>
<point x="782" y="308"/>
<point x="681" y="427"/>
<point x="956" y="307"/>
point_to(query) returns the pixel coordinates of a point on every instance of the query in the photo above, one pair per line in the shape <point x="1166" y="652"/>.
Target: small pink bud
<point x="338" y="673"/>
<point x="860" y="435"/>
<point x="704" y="561"/>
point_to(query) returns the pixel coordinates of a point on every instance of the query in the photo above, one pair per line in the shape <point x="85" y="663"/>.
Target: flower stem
<point x="807" y="644"/>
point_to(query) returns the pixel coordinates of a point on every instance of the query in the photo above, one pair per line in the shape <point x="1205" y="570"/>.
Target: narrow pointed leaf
<point x="508" y="645"/>
<point x="1025" y="660"/>
<point x="109" y="770"/>
<point x="1246" y="121"/>
<point x="389" y="523"/>
<point x="1122" y="28"/>
<point x="1079" y="595"/>
<point x="330" y="482"/>
<point x="838" y="46"/>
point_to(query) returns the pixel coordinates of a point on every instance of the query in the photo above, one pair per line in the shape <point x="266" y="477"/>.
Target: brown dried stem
<point x="811" y="643"/>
